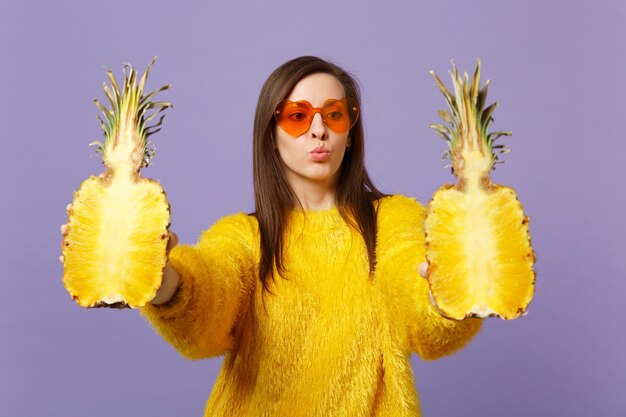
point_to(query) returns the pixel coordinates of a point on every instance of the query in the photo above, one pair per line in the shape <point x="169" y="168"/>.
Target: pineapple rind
<point x="114" y="249"/>
<point x="479" y="254"/>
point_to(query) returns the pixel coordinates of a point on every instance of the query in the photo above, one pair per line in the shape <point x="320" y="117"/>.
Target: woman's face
<point x="301" y="155"/>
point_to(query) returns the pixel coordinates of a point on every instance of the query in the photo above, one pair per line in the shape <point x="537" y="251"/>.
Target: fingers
<point x="64" y="226"/>
<point x="423" y="269"/>
<point x="172" y="242"/>
<point x="64" y="230"/>
<point x="63" y="234"/>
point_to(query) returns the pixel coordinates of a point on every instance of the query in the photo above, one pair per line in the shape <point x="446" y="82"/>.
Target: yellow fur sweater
<point x="329" y="341"/>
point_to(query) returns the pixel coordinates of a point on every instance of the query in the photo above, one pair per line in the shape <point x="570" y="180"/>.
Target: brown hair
<point x="354" y="193"/>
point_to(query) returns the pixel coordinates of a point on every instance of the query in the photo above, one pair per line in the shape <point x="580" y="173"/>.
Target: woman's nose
<point x="318" y="128"/>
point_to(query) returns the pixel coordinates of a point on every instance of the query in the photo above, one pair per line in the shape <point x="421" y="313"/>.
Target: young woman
<point x="315" y="299"/>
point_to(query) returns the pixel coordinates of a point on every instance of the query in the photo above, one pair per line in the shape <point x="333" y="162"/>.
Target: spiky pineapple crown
<point x="126" y="123"/>
<point x="472" y="150"/>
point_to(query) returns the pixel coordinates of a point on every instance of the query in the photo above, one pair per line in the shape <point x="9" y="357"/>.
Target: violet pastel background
<point x="558" y="70"/>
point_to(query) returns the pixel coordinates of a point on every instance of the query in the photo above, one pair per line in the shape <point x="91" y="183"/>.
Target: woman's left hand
<point x="423" y="269"/>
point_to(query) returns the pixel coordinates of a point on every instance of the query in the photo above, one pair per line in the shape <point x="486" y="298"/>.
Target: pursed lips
<point x="320" y="154"/>
<point x="320" y="150"/>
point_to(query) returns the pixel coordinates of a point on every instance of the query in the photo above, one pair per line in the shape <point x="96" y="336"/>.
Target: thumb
<point x="171" y="243"/>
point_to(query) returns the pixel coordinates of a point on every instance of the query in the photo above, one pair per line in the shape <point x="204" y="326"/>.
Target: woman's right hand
<point x="64" y="230"/>
<point x="171" y="278"/>
<point x="171" y="243"/>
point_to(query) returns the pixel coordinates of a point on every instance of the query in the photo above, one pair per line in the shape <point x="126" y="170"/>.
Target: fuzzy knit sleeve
<point x="400" y="250"/>
<point x="216" y="274"/>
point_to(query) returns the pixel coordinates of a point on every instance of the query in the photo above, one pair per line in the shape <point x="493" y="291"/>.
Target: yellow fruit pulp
<point x="479" y="253"/>
<point x="114" y="250"/>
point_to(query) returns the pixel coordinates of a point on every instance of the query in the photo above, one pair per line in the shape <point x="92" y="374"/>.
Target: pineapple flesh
<point x="114" y="244"/>
<point x="477" y="239"/>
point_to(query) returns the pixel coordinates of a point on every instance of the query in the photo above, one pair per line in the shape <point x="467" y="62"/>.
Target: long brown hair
<point x="355" y="192"/>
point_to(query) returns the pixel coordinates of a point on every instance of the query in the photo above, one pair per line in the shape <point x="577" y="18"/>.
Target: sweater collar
<point x="314" y="220"/>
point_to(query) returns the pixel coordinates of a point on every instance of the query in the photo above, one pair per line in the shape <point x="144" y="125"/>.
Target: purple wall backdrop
<point x="558" y="71"/>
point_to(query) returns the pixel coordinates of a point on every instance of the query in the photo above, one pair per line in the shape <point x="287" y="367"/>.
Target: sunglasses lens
<point x="340" y="115"/>
<point x="293" y="117"/>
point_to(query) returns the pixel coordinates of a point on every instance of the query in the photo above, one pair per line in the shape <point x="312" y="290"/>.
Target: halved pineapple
<point x="478" y="244"/>
<point x="116" y="236"/>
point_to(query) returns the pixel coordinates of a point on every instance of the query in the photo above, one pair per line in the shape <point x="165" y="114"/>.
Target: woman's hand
<point x="171" y="243"/>
<point x="423" y="269"/>
<point x="64" y="230"/>
<point x="171" y="278"/>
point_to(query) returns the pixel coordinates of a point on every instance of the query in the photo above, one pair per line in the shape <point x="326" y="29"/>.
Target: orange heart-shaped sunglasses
<point x="296" y="117"/>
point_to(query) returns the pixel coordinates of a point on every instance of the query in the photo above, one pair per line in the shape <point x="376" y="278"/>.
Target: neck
<point x="314" y="195"/>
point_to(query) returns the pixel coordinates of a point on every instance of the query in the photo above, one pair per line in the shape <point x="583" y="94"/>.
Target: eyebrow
<point x="302" y="102"/>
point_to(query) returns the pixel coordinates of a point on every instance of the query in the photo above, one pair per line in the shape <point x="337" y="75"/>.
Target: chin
<point x="321" y="174"/>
